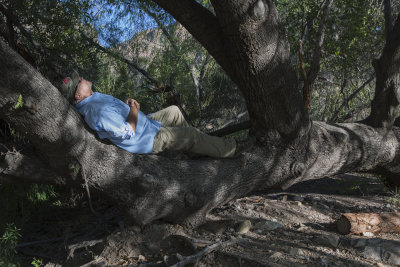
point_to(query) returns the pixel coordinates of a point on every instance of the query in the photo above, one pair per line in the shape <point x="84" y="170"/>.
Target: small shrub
<point x="8" y="243"/>
<point x="37" y="262"/>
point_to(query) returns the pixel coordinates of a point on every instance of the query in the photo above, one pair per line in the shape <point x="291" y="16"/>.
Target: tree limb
<point x="258" y="50"/>
<point x="388" y="18"/>
<point x="349" y="98"/>
<point x="315" y="63"/>
<point x="386" y="101"/>
<point x="232" y="129"/>
<point x="123" y="59"/>
<point x="306" y="86"/>
<point x="227" y="128"/>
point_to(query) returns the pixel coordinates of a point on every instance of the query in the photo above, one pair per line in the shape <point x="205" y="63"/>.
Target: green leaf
<point x="20" y="103"/>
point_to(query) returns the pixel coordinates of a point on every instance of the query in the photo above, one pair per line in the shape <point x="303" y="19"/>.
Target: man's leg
<point x="190" y="139"/>
<point x="170" y="116"/>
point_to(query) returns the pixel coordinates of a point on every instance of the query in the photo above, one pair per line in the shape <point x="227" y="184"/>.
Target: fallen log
<point x="358" y="223"/>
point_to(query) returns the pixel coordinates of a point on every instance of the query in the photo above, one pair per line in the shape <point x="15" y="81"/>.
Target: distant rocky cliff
<point x="146" y="44"/>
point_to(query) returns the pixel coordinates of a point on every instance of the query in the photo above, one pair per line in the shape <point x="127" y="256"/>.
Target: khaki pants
<point x="176" y="135"/>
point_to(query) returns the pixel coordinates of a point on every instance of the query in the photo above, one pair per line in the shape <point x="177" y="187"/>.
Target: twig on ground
<point x="96" y="261"/>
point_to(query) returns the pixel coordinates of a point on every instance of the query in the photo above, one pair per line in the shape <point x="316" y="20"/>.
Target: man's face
<point x="83" y="90"/>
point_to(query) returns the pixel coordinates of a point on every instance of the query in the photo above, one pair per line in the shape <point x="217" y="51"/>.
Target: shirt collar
<point x="85" y="101"/>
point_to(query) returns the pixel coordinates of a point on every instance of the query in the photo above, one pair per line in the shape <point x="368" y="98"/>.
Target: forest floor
<point x="280" y="228"/>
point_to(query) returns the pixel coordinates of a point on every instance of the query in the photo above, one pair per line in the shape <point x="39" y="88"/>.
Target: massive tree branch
<point x="150" y="187"/>
<point x="385" y="104"/>
<point x="256" y="44"/>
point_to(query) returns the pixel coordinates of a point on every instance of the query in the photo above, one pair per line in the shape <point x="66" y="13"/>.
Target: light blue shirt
<point x="107" y="116"/>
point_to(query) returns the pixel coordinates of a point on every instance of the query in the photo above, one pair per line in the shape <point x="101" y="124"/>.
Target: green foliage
<point x="75" y="168"/>
<point x="18" y="202"/>
<point x="8" y="243"/>
<point x="17" y="205"/>
<point x="15" y="135"/>
<point x="354" y="37"/>
<point x="56" y="27"/>
<point x="40" y="193"/>
<point x="395" y="197"/>
<point x="36" y="262"/>
<point x="20" y="103"/>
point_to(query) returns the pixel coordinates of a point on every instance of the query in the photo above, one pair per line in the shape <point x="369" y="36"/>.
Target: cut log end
<point x="358" y="223"/>
<point x="343" y="225"/>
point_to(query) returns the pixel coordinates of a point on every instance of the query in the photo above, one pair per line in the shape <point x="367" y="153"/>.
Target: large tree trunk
<point x="247" y="39"/>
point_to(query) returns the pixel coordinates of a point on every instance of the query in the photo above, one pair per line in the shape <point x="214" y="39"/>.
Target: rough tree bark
<point x="248" y="40"/>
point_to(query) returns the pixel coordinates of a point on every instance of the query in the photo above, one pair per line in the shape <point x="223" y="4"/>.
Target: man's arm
<point x="133" y="113"/>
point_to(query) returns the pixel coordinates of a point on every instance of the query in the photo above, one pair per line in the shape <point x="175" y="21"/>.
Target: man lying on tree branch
<point x="130" y="129"/>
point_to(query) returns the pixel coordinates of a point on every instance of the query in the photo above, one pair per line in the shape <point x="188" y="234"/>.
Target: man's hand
<point x="133" y="112"/>
<point x="132" y="103"/>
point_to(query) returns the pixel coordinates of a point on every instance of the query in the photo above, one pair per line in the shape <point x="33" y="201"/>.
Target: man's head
<point x="75" y="89"/>
<point x="83" y="90"/>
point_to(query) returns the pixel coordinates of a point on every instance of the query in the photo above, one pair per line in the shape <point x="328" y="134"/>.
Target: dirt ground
<point x="280" y="228"/>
